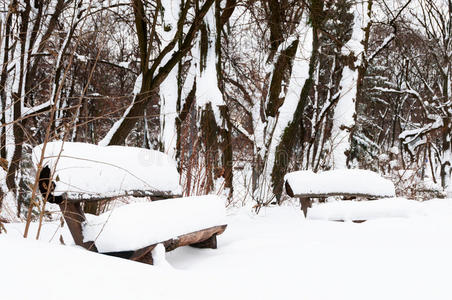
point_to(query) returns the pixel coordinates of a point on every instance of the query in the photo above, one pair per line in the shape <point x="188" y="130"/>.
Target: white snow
<point x="207" y="90"/>
<point x="348" y="181"/>
<point x="59" y="272"/>
<point x="159" y="257"/>
<point x="343" y="119"/>
<point x="171" y="11"/>
<point x="274" y="255"/>
<point x="366" y="210"/>
<point x="86" y="171"/>
<point x="394" y="150"/>
<point x="135" y="226"/>
<point x="168" y="112"/>
<point x="124" y="64"/>
<point x="81" y="58"/>
<point x="168" y="88"/>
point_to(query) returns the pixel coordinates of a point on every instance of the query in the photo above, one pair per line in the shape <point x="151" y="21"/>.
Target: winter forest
<point x="238" y="93"/>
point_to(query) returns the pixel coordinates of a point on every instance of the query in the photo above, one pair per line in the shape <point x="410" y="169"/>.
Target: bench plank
<point x="205" y="238"/>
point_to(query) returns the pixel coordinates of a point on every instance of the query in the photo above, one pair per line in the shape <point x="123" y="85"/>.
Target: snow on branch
<point x="408" y="136"/>
<point x="37" y="109"/>
<point x="404" y="91"/>
<point x="383" y="45"/>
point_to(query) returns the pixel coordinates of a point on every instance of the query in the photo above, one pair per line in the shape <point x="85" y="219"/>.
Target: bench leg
<point x="74" y="217"/>
<point x="305" y="203"/>
<point x="209" y="243"/>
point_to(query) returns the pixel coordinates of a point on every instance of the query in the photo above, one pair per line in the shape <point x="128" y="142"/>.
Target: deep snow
<point x="274" y="255"/>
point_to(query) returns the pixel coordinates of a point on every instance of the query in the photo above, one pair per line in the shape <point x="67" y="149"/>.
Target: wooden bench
<point x="350" y="184"/>
<point x="77" y="173"/>
<point x="76" y="219"/>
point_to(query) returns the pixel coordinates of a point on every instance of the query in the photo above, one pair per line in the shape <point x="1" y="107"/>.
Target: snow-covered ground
<point x="274" y="255"/>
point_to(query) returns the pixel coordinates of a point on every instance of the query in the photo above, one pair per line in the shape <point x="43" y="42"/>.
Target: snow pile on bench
<point x="85" y="171"/>
<point x="366" y="210"/>
<point x="135" y="226"/>
<point x="352" y="182"/>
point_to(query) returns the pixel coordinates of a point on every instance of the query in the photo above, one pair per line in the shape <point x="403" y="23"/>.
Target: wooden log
<point x="144" y="255"/>
<point x="171" y="244"/>
<point x="201" y="235"/>
<point x="146" y="258"/>
<point x="209" y="243"/>
<point x="74" y="217"/>
<point x="205" y="238"/>
<point x="354" y="221"/>
<point x="359" y="221"/>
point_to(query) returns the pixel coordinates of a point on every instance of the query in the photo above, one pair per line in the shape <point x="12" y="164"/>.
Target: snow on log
<point x="89" y="172"/>
<point x="138" y="225"/>
<point x="342" y="182"/>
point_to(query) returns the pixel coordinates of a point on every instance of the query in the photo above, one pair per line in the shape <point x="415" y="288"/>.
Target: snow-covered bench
<point x="86" y="172"/>
<point x="72" y="173"/>
<point x="347" y="183"/>
<point x="132" y="231"/>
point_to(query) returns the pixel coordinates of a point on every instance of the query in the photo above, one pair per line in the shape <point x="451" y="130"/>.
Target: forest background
<point x="238" y="92"/>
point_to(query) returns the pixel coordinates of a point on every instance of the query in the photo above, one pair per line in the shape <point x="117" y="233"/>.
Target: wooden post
<point x="305" y="203"/>
<point x="74" y="217"/>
